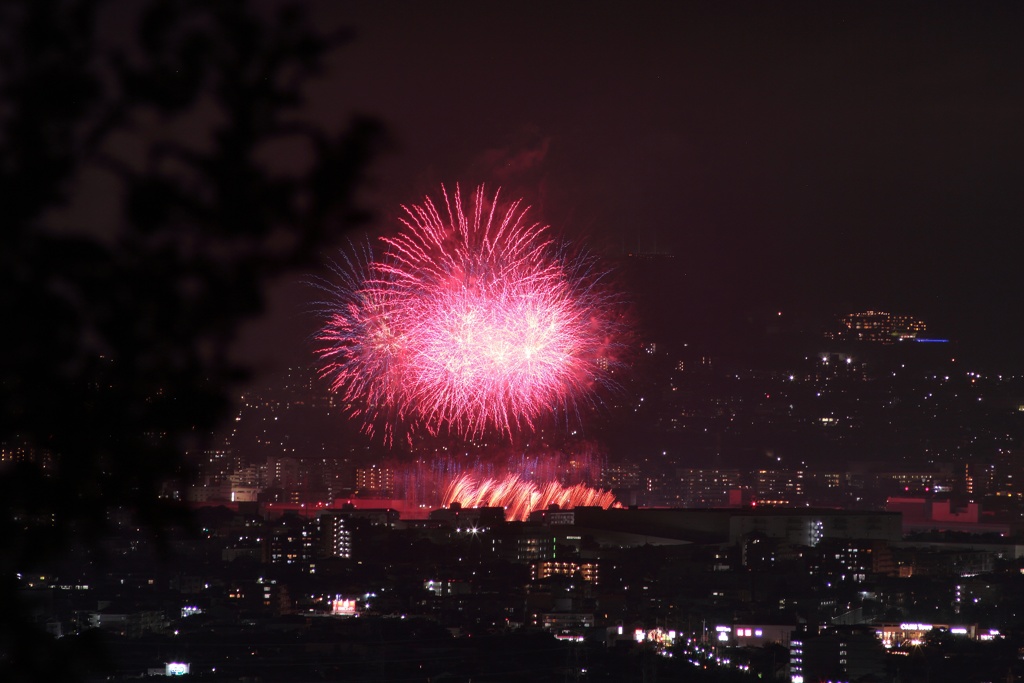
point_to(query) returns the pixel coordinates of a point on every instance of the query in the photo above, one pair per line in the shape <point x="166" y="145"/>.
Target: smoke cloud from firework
<point x="473" y="319"/>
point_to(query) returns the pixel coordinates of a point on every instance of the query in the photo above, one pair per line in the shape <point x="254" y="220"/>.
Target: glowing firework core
<point x="473" y="319"/>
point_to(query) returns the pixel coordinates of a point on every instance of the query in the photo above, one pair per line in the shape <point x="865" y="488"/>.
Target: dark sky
<point x="813" y="158"/>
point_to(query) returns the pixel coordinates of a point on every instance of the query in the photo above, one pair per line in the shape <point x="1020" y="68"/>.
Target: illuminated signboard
<point x="175" y="668"/>
<point x="916" y="627"/>
<point x="344" y="607"/>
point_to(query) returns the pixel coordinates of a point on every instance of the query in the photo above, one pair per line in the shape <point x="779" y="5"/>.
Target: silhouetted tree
<point x="114" y="331"/>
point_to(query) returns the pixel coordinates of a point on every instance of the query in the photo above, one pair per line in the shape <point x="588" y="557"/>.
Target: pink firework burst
<point x="473" y="319"/>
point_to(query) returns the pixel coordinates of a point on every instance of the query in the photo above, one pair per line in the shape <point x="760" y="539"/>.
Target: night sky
<point x="810" y="158"/>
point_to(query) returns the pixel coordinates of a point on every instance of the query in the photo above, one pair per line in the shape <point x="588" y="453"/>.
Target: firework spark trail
<point x="520" y="497"/>
<point x="425" y="479"/>
<point x="473" y="319"/>
<point x="364" y="341"/>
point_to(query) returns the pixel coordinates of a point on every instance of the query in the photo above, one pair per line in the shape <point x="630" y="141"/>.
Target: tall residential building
<point x="246" y="484"/>
<point x="283" y="472"/>
<point x="843" y="654"/>
<point x="621" y="476"/>
<point x="290" y="540"/>
<point x="778" y="487"/>
<point x="335" y="538"/>
<point x="21" y="451"/>
<point x="377" y="479"/>
<point x="705" y="487"/>
<point x="589" y="571"/>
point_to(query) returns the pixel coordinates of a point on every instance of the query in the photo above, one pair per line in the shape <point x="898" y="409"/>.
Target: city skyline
<point x="811" y="466"/>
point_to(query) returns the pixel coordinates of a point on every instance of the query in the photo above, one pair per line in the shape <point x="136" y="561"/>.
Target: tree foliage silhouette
<point x="114" y="352"/>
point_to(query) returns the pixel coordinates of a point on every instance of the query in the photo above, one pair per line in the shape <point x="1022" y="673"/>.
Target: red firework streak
<point x="520" y="497"/>
<point x="473" y="319"/>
